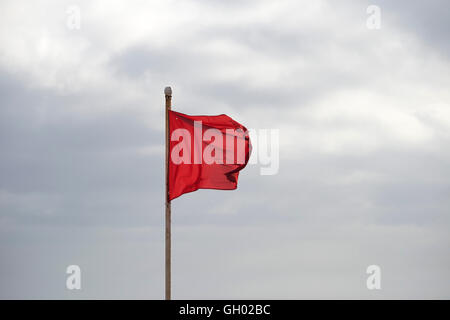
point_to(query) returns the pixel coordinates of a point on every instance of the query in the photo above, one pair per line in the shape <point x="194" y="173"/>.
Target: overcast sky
<point x="364" y="120"/>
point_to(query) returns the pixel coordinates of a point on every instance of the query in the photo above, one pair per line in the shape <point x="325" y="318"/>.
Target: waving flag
<point x="205" y="152"/>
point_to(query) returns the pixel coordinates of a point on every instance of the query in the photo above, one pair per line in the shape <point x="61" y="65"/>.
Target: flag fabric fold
<point x="205" y="152"/>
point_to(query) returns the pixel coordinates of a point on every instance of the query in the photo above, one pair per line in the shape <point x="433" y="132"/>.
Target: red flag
<point x="205" y="152"/>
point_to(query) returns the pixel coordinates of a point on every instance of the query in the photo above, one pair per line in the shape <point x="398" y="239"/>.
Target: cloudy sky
<point x="364" y="122"/>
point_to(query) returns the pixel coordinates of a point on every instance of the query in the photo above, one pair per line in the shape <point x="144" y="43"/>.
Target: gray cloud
<point x="364" y="129"/>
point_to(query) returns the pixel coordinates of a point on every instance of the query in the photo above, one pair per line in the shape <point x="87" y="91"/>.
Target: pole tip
<point x="168" y="91"/>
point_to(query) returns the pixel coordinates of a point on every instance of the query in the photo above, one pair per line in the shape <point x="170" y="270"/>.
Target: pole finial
<point x="168" y="91"/>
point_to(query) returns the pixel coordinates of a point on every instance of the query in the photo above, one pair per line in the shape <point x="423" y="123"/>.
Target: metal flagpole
<point x="168" y="94"/>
